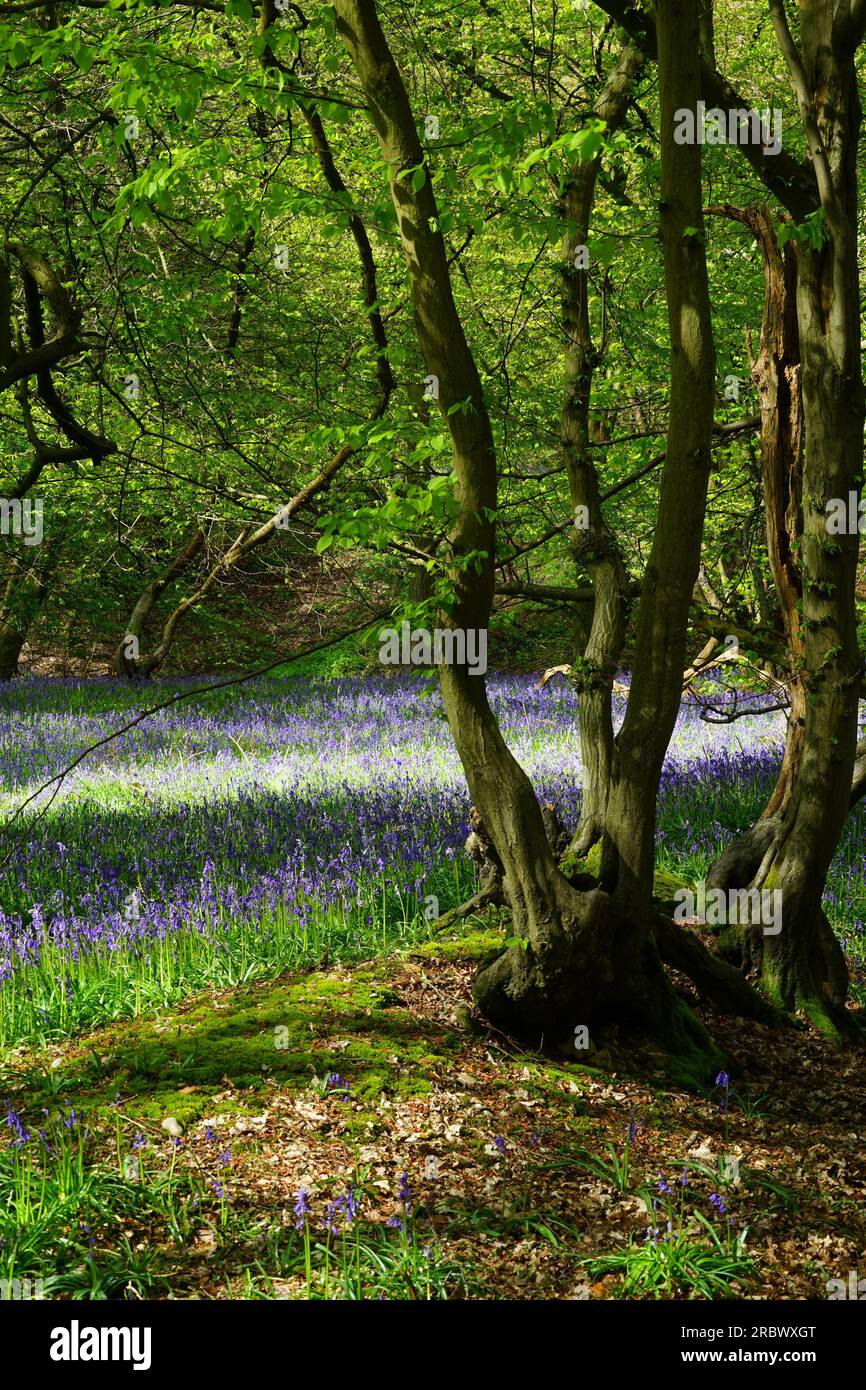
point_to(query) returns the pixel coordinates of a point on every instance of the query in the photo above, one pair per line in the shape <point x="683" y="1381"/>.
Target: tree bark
<point x="672" y="570"/>
<point x="142" y="667"/>
<point x="777" y="375"/>
<point x="803" y="967"/>
<point x="595" y="547"/>
<point x="23" y="596"/>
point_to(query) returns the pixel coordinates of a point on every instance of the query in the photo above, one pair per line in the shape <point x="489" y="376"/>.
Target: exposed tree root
<point x="486" y="897"/>
<point x="599" y="971"/>
<point x="718" y="981"/>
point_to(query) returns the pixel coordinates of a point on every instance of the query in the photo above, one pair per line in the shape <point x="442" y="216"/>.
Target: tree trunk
<point x="595" y="547"/>
<point x="127" y="660"/>
<point x="660" y="647"/>
<point x="802" y="966"/>
<point x="11" y="642"/>
<point x="25" y="592"/>
<point x="777" y="375"/>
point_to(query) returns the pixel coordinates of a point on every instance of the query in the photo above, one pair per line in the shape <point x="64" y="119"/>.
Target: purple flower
<point x="20" y="1130"/>
<point x="724" y="1081"/>
<point x="302" y="1208"/>
<point x="335" y="1082"/>
<point x="352" y="1204"/>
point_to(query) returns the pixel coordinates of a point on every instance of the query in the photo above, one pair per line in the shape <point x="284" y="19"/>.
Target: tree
<point x="581" y="957"/>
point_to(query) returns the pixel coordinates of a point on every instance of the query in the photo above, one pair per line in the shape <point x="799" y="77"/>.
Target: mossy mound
<point x="232" y="1048"/>
<point x="482" y="945"/>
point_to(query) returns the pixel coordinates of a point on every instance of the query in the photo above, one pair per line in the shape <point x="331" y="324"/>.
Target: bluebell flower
<point x="302" y="1208"/>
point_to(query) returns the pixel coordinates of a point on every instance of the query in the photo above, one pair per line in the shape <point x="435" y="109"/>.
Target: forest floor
<point x="523" y="1176"/>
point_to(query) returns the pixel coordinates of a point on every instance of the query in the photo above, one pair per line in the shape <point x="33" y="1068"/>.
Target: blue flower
<point x="16" y="1124"/>
<point x="352" y="1204"/>
<point x="335" y="1082"/>
<point x="302" y="1208"/>
<point x="633" y="1127"/>
<point x="723" y="1080"/>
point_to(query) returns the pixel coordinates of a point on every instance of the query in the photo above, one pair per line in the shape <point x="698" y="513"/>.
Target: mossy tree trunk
<point x="802" y="966"/>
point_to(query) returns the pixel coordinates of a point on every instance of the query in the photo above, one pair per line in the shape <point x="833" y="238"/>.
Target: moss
<point x="577" y="870"/>
<point x="693" y="1057"/>
<point x="186" y="1109"/>
<point x="666" y="886"/>
<point x="482" y="946"/>
<point x="729" y="941"/>
<point x="589" y="866"/>
<point x="820" y="1018"/>
<point x="269" y="1033"/>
